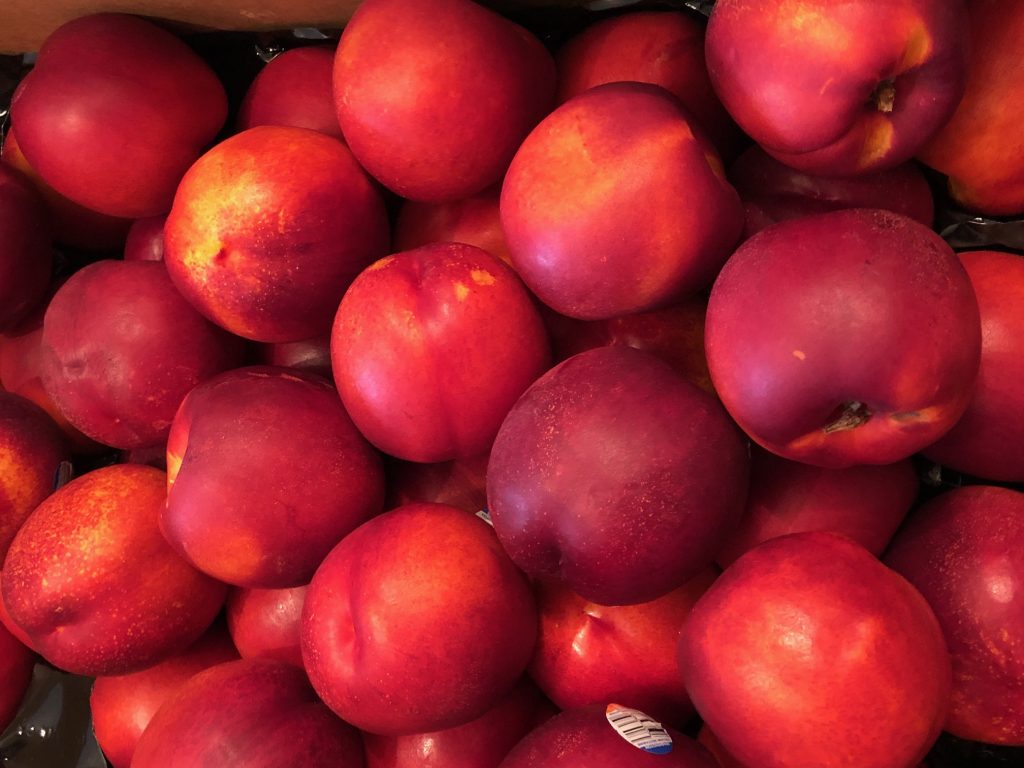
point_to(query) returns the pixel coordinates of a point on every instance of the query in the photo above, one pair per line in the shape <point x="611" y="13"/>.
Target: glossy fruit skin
<point x="269" y="228"/>
<point x="145" y="239"/>
<point x="266" y="473"/>
<point x="116" y="144"/>
<point x="123" y="705"/>
<point x="430" y="349"/>
<point x="622" y="510"/>
<point x="839" y="89"/>
<point x="95" y="586"/>
<point x="851" y="645"/>
<point x="462" y="632"/>
<point x="844" y="338"/>
<point x="590" y="654"/>
<point x="461" y="483"/>
<point x="976" y="147"/>
<point x="986" y="439"/>
<point x="267" y="623"/>
<point x="773" y="192"/>
<point x="480" y="743"/>
<point x="69" y="223"/>
<point x="569" y="204"/>
<point x="31" y="450"/>
<point x="964" y="551"/>
<point x="674" y="333"/>
<point x="256" y="713"/>
<point x="474" y="220"/>
<point x="583" y="736"/>
<point x="434" y="100"/>
<point x="121" y="349"/>
<point x="26" y="258"/>
<point x="21" y="370"/>
<point x="295" y="89"/>
<point x="656" y="47"/>
<point x="865" y="503"/>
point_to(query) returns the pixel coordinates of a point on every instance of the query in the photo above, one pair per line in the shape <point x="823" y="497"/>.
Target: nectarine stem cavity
<point x="849" y="415"/>
<point x="884" y="96"/>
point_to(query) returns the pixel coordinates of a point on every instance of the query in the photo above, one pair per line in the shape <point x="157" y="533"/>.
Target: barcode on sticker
<point x="639" y="730"/>
<point x="484" y="515"/>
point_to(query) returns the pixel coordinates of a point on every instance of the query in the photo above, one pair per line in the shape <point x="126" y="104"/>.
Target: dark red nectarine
<point x="616" y="475"/>
<point x="844" y="338"/>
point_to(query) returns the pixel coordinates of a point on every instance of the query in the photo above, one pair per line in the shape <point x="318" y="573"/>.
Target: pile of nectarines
<point x="461" y="399"/>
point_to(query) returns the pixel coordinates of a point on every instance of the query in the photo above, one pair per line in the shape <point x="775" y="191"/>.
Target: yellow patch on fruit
<point x="877" y="141"/>
<point x="238" y="556"/>
<point x="380" y="264"/>
<point x="461" y="291"/>
<point x="807" y="23"/>
<point x="173" y="467"/>
<point x="482" y="277"/>
<point x="715" y="164"/>
<point x="919" y="48"/>
<point x="22" y="485"/>
<point x="799" y="354"/>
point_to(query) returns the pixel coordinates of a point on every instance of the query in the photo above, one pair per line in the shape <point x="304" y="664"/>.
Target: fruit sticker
<point x="484" y="515"/>
<point x="639" y="729"/>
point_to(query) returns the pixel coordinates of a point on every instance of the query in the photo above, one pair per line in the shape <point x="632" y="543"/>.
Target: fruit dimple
<point x="850" y="415"/>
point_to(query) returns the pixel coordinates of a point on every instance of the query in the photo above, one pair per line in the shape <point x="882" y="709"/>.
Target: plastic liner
<point x="53" y="728"/>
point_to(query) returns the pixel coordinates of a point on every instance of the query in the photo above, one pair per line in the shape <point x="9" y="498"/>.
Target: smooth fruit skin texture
<point x="123" y="705"/>
<point x="267" y="623"/>
<point x="773" y="192"/>
<point x="844" y="338"/>
<point x="964" y="551"/>
<point x="121" y="348"/>
<point x="431" y="347"/>
<point x="294" y="88"/>
<point x="70" y="223"/>
<point x="31" y="449"/>
<point x="590" y="654"/>
<point x="461" y="483"/>
<point x="571" y="208"/>
<point x="617" y="476"/>
<point x="417" y="621"/>
<point x="675" y="334"/>
<point x="660" y="48"/>
<point x="9" y="624"/>
<point x="865" y="503"/>
<point x="807" y="651"/>
<point x="25" y="259"/>
<point x="474" y="220"/>
<point x="583" y="737"/>
<point x="16" y="663"/>
<point x="480" y="743"/>
<point x="93" y="583"/>
<point x="21" y="371"/>
<point x="255" y="713"/>
<point x="266" y="473"/>
<point x="145" y="239"/>
<point x="979" y="147"/>
<point x="805" y="78"/>
<point x="310" y="355"/>
<point x="435" y="98"/>
<point x="114" y="112"/>
<point x="986" y="440"/>
<point x="269" y="228"/>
